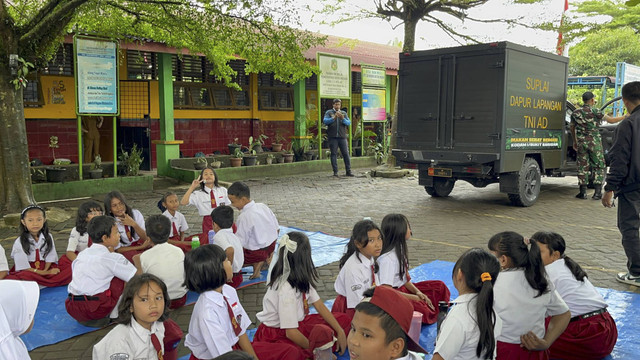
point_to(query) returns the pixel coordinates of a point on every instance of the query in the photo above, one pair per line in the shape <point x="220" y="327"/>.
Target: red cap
<point x="399" y="308"/>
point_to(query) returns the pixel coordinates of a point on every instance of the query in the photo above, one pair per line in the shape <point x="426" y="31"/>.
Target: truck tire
<point x="528" y="184"/>
<point x="441" y="187"/>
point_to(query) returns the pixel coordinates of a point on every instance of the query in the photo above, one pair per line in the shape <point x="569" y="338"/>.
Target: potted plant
<point x="96" y="168"/>
<point x="269" y="159"/>
<point x="200" y="163"/>
<point x="256" y="144"/>
<point x="250" y="158"/>
<point x="288" y="154"/>
<point x="279" y="141"/>
<point x="55" y="173"/>
<point x="215" y="163"/>
<point x="233" y="146"/>
<point x="236" y="160"/>
<point x="132" y="160"/>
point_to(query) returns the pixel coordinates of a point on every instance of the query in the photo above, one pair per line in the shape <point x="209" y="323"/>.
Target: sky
<point x="430" y="36"/>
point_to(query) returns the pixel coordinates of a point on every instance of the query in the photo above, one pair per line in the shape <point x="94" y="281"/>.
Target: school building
<point x="207" y="114"/>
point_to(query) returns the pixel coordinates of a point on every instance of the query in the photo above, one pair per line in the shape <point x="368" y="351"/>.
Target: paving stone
<point x="443" y="228"/>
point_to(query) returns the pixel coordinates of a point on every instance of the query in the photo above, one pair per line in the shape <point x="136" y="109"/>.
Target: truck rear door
<point x="451" y="102"/>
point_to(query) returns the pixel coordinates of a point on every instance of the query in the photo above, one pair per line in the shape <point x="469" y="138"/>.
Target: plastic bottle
<point x="195" y="242"/>
<point x="211" y="235"/>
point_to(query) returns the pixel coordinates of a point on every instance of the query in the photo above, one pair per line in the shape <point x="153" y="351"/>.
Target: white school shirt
<point x="210" y="331"/>
<point x="388" y="266"/>
<point x="581" y="297"/>
<point x="459" y="333"/>
<point x="257" y="226"/>
<point x="515" y="303"/>
<point x="225" y="238"/>
<point x="179" y="220"/>
<point x="166" y="261"/>
<point x="4" y="264"/>
<point x="354" y="278"/>
<point x="129" y="342"/>
<point x="139" y="219"/>
<point x="202" y="199"/>
<point x="21" y="259"/>
<point x="94" y="268"/>
<point x="77" y="242"/>
<point x="283" y="308"/>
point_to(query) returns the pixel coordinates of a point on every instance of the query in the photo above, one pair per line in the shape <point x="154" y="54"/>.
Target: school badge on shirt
<point x="119" y="356"/>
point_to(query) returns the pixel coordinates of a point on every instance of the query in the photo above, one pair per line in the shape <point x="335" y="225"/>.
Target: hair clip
<point x="485" y="276"/>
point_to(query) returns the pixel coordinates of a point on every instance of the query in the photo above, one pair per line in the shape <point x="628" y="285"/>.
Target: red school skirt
<point x="96" y="306"/>
<point x="340" y="307"/>
<point x="590" y="338"/>
<point x="130" y="254"/>
<point x="275" y="335"/>
<point x="270" y="351"/>
<point x="172" y="336"/>
<point x="256" y="256"/>
<point x="436" y="291"/>
<point x="507" y="351"/>
<point x="59" y="279"/>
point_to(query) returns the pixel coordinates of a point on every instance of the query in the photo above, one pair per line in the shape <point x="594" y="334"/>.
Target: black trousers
<point x="334" y="143"/>
<point x="629" y="226"/>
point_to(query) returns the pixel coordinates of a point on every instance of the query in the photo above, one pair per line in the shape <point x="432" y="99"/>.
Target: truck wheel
<point x="528" y="184"/>
<point x="441" y="187"/>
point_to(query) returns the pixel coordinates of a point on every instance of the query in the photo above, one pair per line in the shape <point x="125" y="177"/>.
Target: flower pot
<point x="288" y="158"/>
<point x="250" y="160"/>
<point x="95" y="174"/>
<point x="232" y="148"/>
<point x="56" y="174"/>
<point x="199" y="165"/>
<point x="269" y="161"/>
<point x="216" y="164"/>
<point x="276" y="147"/>
<point x="281" y="160"/>
<point x="257" y="148"/>
<point x="235" y="162"/>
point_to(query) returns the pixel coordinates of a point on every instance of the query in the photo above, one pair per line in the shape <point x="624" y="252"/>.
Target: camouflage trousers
<point x="590" y="159"/>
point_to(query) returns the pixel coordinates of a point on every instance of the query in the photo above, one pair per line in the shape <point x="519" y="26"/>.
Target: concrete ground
<point x="442" y="227"/>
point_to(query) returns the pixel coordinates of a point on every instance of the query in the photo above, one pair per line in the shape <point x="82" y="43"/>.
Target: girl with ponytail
<point x="470" y="329"/>
<point x="523" y="298"/>
<point x="592" y="332"/>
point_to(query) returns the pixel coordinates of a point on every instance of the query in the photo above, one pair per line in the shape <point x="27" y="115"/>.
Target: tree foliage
<point x="256" y="30"/>
<point x="599" y="52"/>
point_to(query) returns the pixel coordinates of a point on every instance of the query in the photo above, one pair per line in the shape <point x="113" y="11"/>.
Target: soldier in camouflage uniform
<point x="588" y="144"/>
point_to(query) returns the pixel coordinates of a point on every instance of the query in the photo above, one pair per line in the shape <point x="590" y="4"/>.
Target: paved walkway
<point x="442" y="228"/>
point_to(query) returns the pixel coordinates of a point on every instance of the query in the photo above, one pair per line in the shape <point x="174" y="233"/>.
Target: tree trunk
<point x="15" y="181"/>
<point x="409" y="35"/>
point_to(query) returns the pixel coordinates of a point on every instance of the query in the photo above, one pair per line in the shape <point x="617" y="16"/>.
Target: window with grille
<point x="61" y="63"/>
<point x="274" y="94"/>
<point x="356" y="82"/>
<point x="142" y="65"/>
<point x="32" y="94"/>
<point x="189" y="95"/>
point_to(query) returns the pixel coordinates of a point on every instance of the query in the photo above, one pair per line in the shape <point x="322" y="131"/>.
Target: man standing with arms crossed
<point x="623" y="182"/>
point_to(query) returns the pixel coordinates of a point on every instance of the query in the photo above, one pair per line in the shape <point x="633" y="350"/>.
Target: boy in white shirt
<point x="257" y="228"/>
<point x="222" y="218"/>
<point x="164" y="260"/>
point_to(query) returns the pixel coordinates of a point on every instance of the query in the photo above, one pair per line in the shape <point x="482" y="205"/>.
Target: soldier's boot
<point x="597" y="194"/>
<point x="583" y="192"/>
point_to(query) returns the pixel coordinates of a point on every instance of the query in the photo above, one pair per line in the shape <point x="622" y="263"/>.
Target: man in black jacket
<point x="338" y="123"/>
<point x="623" y="181"/>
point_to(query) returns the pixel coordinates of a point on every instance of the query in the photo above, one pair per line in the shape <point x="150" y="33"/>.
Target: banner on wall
<point x="96" y="76"/>
<point x="373" y="104"/>
<point x="334" y="80"/>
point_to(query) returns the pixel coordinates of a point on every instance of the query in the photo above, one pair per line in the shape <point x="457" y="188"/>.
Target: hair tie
<point x="485" y="276"/>
<point x="290" y="246"/>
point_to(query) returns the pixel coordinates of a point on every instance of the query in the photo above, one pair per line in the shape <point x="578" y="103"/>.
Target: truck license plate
<point x="440" y="172"/>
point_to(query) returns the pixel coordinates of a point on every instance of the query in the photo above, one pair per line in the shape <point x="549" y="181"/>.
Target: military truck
<point x="483" y="114"/>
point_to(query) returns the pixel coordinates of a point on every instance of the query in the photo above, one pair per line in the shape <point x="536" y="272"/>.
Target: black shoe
<point x="350" y="174"/>
<point x="583" y="192"/>
<point x="335" y="174"/>
<point x="597" y="194"/>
